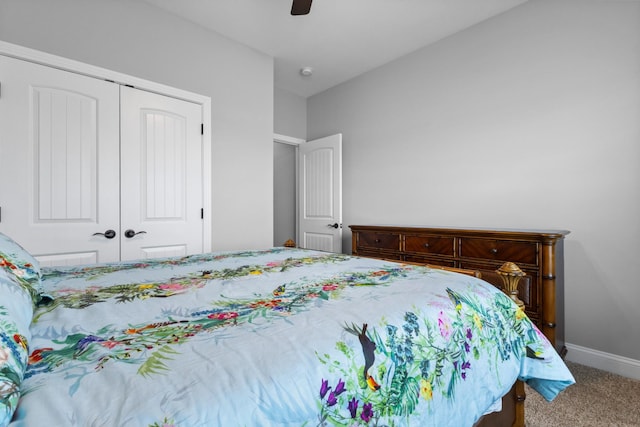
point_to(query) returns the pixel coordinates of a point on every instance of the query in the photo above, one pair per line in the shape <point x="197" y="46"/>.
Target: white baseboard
<point x="620" y="365"/>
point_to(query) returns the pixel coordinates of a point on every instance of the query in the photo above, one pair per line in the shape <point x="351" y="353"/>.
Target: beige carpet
<point x="597" y="399"/>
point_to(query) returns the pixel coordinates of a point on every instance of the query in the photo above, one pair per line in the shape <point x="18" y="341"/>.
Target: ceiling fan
<point x="300" y="7"/>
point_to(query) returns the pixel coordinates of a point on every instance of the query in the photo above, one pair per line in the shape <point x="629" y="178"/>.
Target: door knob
<point x="130" y="233"/>
<point x="109" y="234"/>
<point x="334" y="225"/>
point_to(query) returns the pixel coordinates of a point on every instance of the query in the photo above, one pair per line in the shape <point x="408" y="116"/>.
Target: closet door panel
<point x="59" y="160"/>
<point x="161" y="189"/>
<point x="163" y="142"/>
<point x="65" y="143"/>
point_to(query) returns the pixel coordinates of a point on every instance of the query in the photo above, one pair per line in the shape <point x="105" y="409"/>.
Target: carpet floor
<point x="598" y="398"/>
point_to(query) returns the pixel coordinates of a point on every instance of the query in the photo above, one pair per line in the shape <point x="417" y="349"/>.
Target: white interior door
<point x="320" y="194"/>
<point x="59" y="163"/>
<point x="161" y="173"/>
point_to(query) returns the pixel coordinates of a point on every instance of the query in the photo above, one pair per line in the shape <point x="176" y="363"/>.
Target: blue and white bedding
<point x="282" y="337"/>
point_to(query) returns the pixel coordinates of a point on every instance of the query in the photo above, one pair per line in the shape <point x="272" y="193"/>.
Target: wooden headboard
<point x="539" y="253"/>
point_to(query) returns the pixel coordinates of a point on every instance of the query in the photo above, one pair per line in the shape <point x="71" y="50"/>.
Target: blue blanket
<point x="281" y="337"/>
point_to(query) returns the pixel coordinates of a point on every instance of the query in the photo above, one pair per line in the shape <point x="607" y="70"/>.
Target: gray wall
<point x="133" y="37"/>
<point x="290" y="114"/>
<point x="528" y="120"/>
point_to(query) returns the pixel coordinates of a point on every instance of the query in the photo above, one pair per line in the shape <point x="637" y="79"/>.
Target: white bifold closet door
<point x="161" y="174"/>
<point x="82" y="163"/>
<point x="59" y="163"/>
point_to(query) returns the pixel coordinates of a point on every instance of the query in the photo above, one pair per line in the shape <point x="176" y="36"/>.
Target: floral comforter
<point x="276" y="337"/>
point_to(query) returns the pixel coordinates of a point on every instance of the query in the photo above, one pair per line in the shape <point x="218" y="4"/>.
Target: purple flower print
<point x="339" y="387"/>
<point x="367" y="412"/>
<point x="324" y="388"/>
<point x="332" y="400"/>
<point x="353" y="407"/>
<point x="463" y="368"/>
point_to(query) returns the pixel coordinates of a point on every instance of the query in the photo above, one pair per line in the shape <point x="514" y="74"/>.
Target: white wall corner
<point x="615" y="364"/>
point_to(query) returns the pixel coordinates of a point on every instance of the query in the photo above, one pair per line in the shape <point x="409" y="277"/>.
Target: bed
<point x="281" y="336"/>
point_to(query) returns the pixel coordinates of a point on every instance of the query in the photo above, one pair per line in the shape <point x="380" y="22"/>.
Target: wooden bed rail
<point x="474" y="273"/>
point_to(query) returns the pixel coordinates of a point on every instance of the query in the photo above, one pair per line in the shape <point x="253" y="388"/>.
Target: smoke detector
<point x="306" y="71"/>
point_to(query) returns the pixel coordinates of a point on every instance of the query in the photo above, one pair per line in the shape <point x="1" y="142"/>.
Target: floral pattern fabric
<point x="16" y="312"/>
<point x="275" y="337"/>
<point x="16" y="261"/>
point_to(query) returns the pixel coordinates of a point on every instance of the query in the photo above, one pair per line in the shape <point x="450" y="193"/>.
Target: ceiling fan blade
<point x="300" y="7"/>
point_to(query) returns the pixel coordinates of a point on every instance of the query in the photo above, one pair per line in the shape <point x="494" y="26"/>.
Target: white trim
<point x="287" y="139"/>
<point x="43" y="58"/>
<point x="207" y="178"/>
<point x="620" y="365"/>
<point x="70" y="65"/>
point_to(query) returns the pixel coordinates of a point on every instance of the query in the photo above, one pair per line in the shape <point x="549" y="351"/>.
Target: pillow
<point x="16" y="313"/>
<point x="16" y="261"/>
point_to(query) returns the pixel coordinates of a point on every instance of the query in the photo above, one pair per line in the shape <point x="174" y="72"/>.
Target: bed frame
<point x="483" y="253"/>
<point x="512" y="413"/>
<point x="539" y="253"/>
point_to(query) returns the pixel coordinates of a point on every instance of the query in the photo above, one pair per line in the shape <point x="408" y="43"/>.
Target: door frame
<point x="295" y="142"/>
<point x="66" y="64"/>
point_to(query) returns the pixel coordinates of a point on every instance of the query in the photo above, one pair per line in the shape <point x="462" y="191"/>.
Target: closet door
<point x="161" y="173"/>
<point x="59" y="163"/>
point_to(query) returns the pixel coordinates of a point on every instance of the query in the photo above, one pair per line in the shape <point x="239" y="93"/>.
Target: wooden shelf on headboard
<point x="539" y="253"/>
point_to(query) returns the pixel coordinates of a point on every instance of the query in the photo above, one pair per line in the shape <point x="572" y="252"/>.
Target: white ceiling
<point x="339" y="39"/>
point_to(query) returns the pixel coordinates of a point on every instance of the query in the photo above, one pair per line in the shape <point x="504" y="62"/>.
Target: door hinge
<point x="201" y="128"/>
<point x="201" y="213"/>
